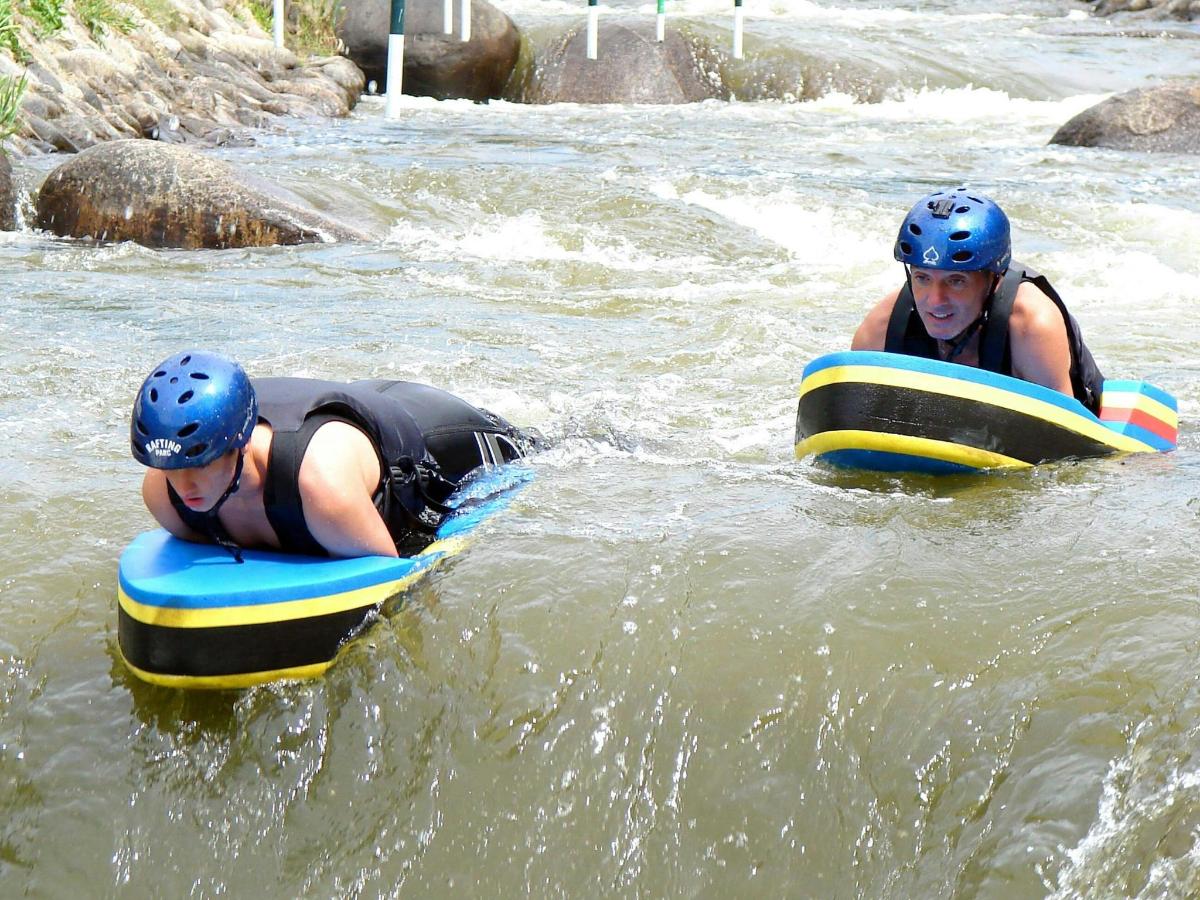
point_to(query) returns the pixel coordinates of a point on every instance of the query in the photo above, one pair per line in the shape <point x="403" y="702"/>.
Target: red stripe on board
<point x="1142" y="419"/>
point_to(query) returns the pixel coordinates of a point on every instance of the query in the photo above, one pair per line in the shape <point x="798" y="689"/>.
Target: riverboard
<point x="890" y="412"/>
<point x="190" y="616"/>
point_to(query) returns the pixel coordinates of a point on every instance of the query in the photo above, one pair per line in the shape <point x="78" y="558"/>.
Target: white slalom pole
<point x="661" y="31"/>
<point x="448" y="17"/>
<point x="277" y="15"/>
<point x="593" y="36"/>
<point x="739" y="18"/>
<point x="395" y="62"/>
<point x="466" y="20"/>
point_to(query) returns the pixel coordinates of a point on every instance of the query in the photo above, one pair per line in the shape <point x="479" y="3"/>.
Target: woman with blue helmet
<point x="965" y="300"/>
<point x="303" y="465"/>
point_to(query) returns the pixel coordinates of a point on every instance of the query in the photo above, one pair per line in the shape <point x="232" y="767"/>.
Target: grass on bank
<point x="316" y="24"/>
<point x="311" y="27"/>
<point x="12" y="90"/>
<point x="101" y="17"/>
<point x="9" y="30"/>
<point x="49" y="16"/>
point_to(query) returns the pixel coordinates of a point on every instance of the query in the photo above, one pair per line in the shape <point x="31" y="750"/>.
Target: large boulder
<point x="631" y="67"/>
<point x="166" y="195"/>
<point x="1164" y="118"/>
<point x="1155" y="9"/>
<point x="8" y="198"/>
<point x="435" y="64"/>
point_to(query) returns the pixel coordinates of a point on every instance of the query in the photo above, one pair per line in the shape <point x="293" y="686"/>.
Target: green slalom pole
<point x="593" y="39"/>
<point x="395" y="62"/>
<point x="661" y="29"/>
<point x="739" y="17"/>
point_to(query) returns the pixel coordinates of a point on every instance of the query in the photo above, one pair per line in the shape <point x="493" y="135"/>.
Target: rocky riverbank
<point x="1179" y="10"/>
<point x="213" y="78"/>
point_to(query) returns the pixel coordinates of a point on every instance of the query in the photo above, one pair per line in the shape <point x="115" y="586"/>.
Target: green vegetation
<point x="311" y="26"/>
<point x="9" y="32"/>
<point x="101" y="16"/>
<point x="260" y="11"/>
<point x="49" y="16"/>
<point x="161" y="12"/>
<point x="12" y="89"/>
<point x="316" y="27"/>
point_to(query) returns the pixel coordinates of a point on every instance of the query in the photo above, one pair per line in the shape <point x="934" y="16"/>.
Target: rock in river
<point x="166" y="195"/>
<point x="1164" y="118"/>
<point x="632" y="67"/>
<point x="435" y="64"/>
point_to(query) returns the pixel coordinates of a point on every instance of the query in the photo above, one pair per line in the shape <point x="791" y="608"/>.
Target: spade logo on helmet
<point x="162" y="447"/>
<point x="931" y="256"/>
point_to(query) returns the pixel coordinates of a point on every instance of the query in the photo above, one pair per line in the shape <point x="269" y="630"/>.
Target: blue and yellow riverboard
<point x="889" y="412"/>
<point x="191" y="616"/>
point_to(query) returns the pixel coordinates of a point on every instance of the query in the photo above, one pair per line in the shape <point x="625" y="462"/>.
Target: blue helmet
<point x="192" y="408"/>
<point x="955" y="230"/>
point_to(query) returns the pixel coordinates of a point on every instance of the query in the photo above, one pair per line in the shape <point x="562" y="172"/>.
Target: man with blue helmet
<point x="965" y="300"/>
<point x="303" y="465"/>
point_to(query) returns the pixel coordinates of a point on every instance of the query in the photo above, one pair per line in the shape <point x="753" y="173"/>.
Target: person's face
<point x="202" y="486"/>
<point x="949" y="301"/>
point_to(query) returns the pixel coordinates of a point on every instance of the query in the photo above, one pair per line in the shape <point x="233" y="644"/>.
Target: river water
<point x="682" y="663"/>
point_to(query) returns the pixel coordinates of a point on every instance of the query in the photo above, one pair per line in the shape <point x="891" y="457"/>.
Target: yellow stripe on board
<point x="229" y="682"/>
<point x="926" y="448"/>
<point x="285" y="610"/>
<point x="969" y="390"/>
<point x="1139" y="401"/>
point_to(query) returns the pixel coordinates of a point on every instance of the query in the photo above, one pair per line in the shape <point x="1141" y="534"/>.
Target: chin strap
<point x="216" y="530"/>
<point x="959" y="343"/>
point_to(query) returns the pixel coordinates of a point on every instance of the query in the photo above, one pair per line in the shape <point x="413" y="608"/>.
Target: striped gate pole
<point x="395" y="62"/>
<point x="593" y="40"/>
<point x="466" y="20"/>
<point x="277" y="15"/>
<point x="448" y="17"/>
<point x="662" y="21"/>
<point x="739" y="17"/>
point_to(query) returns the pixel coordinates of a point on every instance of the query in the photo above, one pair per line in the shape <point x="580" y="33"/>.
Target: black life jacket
<point x="428" y="440"/>
<point x="906" y="333"/>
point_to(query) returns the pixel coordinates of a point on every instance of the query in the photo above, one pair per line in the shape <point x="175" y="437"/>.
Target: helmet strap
<point x="959" y="342"/>
<point x="216" y="531"/>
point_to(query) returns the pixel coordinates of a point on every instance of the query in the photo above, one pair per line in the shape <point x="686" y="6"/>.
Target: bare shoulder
<point x="1036" y="315"/>
<point x="338" y="476"/>
<point x="872" y="333"/>
<point x="1041" y="350"/>
<point x="158" y="501"/>
<point x="340" y="452"/>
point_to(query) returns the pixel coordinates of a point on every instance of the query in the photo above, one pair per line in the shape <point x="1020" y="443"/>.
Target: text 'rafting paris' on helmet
<point x="193" y="408"/>
<point x="959" y="230"/>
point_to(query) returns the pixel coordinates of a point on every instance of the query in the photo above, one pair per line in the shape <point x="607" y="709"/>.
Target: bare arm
<point x="158" y="501"/>
<point x="1041" y="351"/>
<point x="872" y="333"/>
<point x="339" y="474"/>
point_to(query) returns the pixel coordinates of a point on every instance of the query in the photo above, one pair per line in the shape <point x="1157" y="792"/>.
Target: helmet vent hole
<point x="905" y="248"/>
<point x="185" y="360"/>
<point x="976" y="199"/>
<point x="960" y="235"/>
<point x="159" y="374"/>
<point x="963" y="256"/>
<point x="195" y="451"/>
<point x="188" y="429"/>
<point x="199" y="376"/>
<point x="185" y="397"/>
<point x="963" y="209"/>
<point x="141" y="428"/>
<point x="914" y="228"/>
<point x="153" y="395"/>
